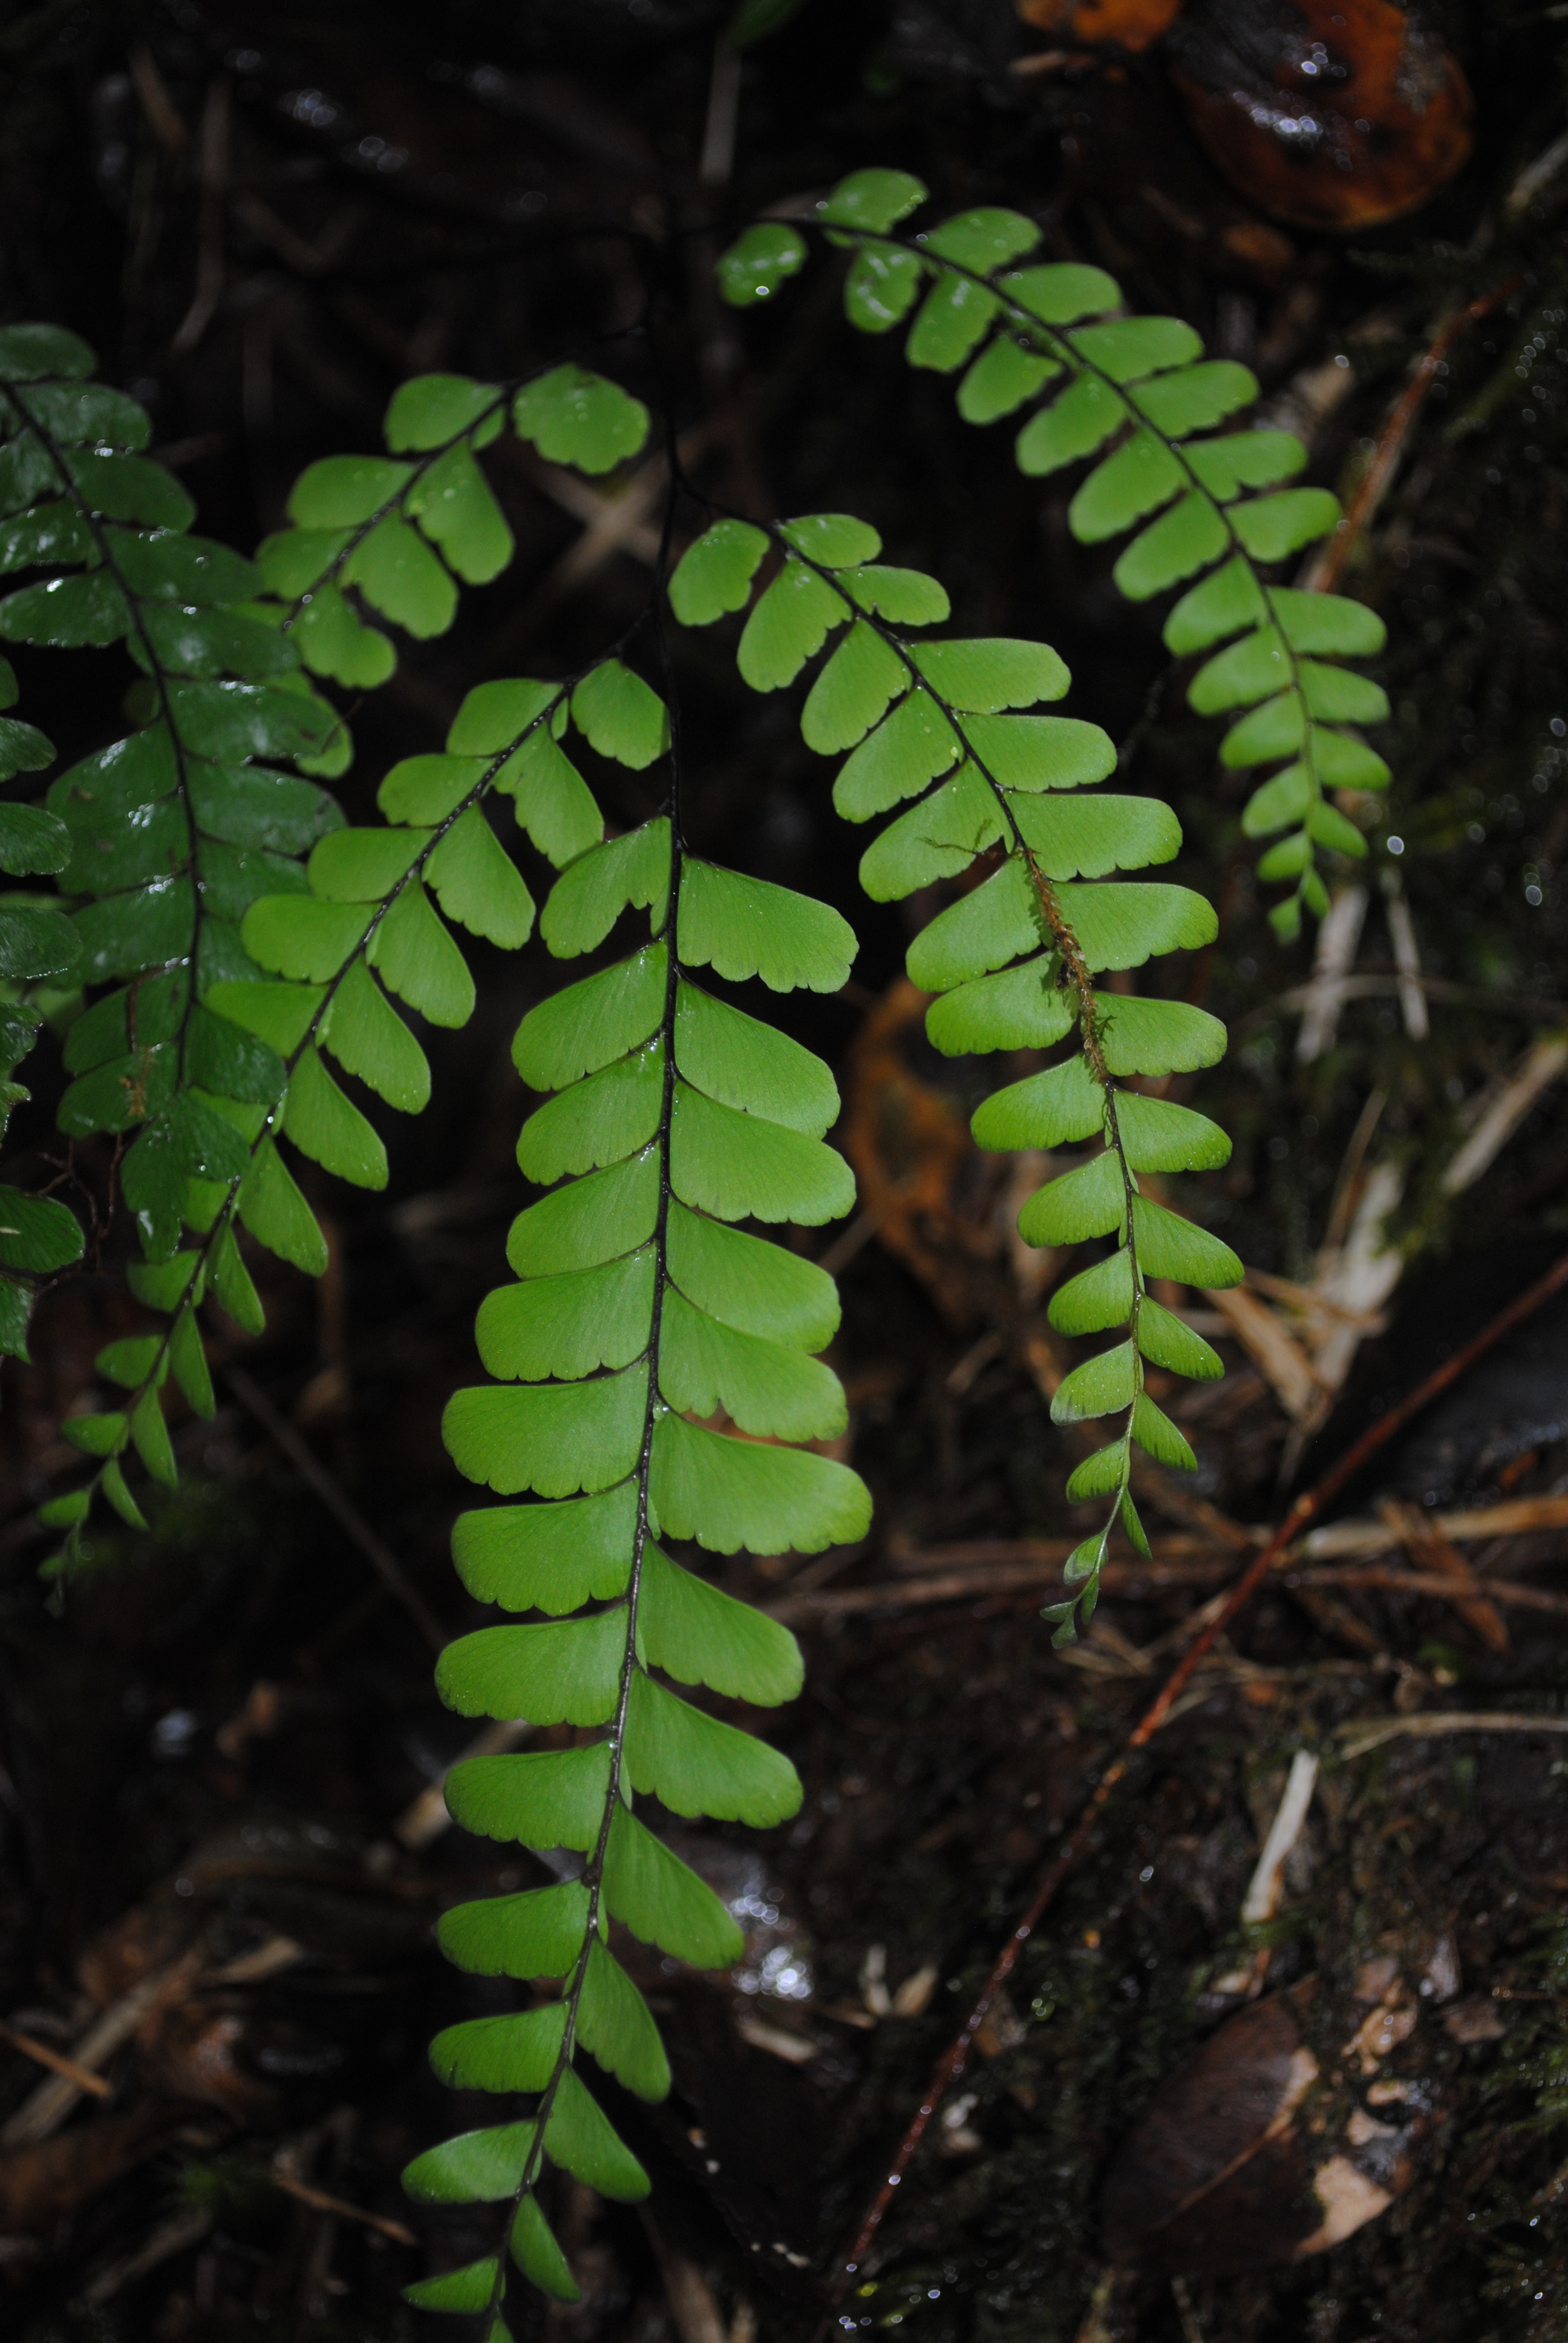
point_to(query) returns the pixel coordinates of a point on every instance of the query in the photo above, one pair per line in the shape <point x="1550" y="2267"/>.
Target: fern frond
<point x="1013" y="963"/>
<point x="653" y="1361"/>
<point x="1136" y="400"/>
<point x="395" y="535"/>
<point x="324" y="968"/>
<point x="39" y="958"/>
<point x="173" y="833"/>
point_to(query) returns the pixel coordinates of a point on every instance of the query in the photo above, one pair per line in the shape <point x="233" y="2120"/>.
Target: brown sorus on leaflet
<point x="1216" y="1618"/>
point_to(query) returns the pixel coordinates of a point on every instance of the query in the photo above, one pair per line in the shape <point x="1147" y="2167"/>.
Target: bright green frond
<point x="566" y="1673"/>
<point x="552" y="1438"/>
<point x="760" y="1288"/>
<point x="578" y="1031"/>
<point x="767" y="1389"/>
<point x="729" y="1494"/>
<point x="696" y="1765"/>
<point x="569" y="1324"/>
<point x="753" y="1067"/>
<point x="698" y="1635"/>
<point x="663" y="1901"/>
<point x="743" y="926"/>
<point x="549" y="1557"/>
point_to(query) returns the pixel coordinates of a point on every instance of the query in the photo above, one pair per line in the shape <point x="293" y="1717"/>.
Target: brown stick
<point x="322" y="2201"/>
<point x="82" y="2076"/>
<point x="41" y="2115"/>
<point x="1430" y="1551"/>
<point x="1326" y="572"/>
<point x="1412" y="1582"/>
<point x="1516" y="1517"/>
<point x="1216" y="1620"/>
<point x="979" y="1579"/>
<point x="1396" y="1728"/>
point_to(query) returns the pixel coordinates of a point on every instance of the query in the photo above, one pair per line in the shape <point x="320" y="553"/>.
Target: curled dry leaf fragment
<point x="1227" y="2171"/>
<point x="1329" y="114"/>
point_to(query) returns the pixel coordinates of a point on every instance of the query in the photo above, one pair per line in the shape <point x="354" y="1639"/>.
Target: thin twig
<point x="971" y="1580"/>
<point x="1430" y="1551"/>
<point x="1421" y="1582"/>
<point x="82" y="2076"/>
<point x="1216" y="1618"/>
<point x="1327" y="566"/>
<point x="1532" y="1007"/>
<point x="1262" y="1894"/>
<point x="213" y="176"/>
<point x="39" y="2117"/>
<point x="1540" y="1067"/>
<point x="319" y="1481"/>
<point x="175" y="2236"/>
<point x="1396" y="1728"/>
<point x="323" y="2202"/>
<point x="1516" y="1517"/>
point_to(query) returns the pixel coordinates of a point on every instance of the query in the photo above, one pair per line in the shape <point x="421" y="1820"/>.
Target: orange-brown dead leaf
<point x="43" y="2181"/>
<point x="1329" y="114"/>
<point x="932" y="1192"/>
<point x="1128" y="24"/>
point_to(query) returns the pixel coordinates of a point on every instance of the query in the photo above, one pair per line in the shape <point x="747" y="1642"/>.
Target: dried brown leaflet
<point x="1216" y="1618"/>
<point x="1333" y="115"/>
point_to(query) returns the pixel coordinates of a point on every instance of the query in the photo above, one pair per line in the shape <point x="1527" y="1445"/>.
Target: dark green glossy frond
<point x="1197" y="498"/>
<point x="951" y="731"/>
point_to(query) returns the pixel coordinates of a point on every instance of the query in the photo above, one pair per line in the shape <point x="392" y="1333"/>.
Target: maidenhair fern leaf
<point x="653" y="1361"/>
<point x="1135" y="400"/>
<point x="1011" y="962"/>
<point x="638" y="1324"/>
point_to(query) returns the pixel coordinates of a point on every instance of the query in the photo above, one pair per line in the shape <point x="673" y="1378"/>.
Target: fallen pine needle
<point x="1397" y="1728"/>
<point x="82" y="2076"/>
<point x="1413" y="1582"/>
<point x="324" y="2203"/>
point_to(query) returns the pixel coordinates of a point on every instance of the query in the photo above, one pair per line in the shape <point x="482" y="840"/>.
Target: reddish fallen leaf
<point x="1330" y="113"/>
<point x="945" y="1209"/>
<point x="1130" y="25"/>
<point x="1245" y="2160"/>
<point x="41" y="2182"/>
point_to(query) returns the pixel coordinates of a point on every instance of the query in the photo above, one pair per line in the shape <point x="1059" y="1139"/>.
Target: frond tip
<point x="1136" y="402"/>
